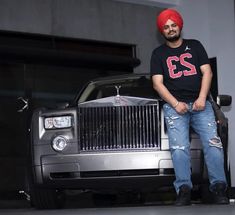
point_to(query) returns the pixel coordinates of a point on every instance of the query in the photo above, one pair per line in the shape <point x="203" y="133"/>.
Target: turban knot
<point x="169" y="14"/>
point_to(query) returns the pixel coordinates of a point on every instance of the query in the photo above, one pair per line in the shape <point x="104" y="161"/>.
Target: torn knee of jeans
<point x="216" y="142"/>
<point x="178" y="147"/>
<point x="170" y="121"/>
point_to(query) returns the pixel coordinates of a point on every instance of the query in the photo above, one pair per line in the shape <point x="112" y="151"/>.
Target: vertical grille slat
<point x="127" y="135"/>
<point x="118" y="128"/>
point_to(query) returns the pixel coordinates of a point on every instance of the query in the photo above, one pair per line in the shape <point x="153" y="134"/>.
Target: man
<point x="182" y="75"/>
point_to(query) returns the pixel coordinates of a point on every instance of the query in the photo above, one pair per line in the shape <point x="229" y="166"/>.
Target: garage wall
<point x="104" y="20"/>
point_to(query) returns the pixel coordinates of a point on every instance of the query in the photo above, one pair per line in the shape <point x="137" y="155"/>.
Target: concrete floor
<point x="130" y="210"/>
<point x="84" y="205"/>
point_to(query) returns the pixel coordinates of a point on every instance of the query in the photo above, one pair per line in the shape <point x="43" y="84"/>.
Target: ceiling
<point x="156" y="3"/>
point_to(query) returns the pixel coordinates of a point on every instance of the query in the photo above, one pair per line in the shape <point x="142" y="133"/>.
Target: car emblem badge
<point x="117" y="98"/>
<point x="118" y="90"/>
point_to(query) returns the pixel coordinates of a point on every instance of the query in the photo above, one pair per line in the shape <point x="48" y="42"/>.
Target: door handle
<point x="25" y="102"/>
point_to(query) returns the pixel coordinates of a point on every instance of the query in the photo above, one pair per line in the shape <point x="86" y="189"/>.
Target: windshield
<point x="138" y="87"/>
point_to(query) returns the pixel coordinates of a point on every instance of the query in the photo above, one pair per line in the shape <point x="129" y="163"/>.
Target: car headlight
<point x="58" y="122"/>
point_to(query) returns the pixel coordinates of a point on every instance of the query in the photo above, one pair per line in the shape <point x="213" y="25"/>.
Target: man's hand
<point x="199" y="104"/>
<point x="181" y="108"/>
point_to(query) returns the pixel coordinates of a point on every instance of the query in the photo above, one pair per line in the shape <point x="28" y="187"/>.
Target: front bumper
<point x="92" y="169"/>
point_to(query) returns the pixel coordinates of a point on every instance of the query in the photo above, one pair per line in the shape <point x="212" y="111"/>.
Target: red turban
<point x="169" y="14"/>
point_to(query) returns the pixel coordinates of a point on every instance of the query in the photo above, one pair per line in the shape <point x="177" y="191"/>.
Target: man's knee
<point x="215" y="142"/>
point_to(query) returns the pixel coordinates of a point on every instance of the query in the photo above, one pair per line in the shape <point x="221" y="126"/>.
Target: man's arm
<point x="158" y="85"/>
<point x="199" y="104"/>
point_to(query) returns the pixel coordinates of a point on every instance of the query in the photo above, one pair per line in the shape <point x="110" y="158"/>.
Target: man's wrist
<point x="202" y="97"/>
<point x="176" y="104"/>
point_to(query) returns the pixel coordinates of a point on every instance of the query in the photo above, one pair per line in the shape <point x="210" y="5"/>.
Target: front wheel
<point x="42" y="198"/>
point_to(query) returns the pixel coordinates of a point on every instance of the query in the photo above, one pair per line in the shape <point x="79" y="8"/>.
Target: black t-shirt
<point x="180" y="68"/>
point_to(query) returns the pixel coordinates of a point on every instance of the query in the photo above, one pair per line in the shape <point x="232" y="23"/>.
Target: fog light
<point x="59" y="143"/>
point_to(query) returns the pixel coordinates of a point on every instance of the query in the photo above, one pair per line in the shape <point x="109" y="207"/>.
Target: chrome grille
<point x="118" y="127"/>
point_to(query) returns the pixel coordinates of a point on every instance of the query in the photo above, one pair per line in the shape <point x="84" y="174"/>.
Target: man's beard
<point x="174" y="38"/>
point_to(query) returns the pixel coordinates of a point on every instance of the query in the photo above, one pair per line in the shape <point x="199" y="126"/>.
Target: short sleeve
<point x="202" y="54"/>
<point x="155" y="64"/>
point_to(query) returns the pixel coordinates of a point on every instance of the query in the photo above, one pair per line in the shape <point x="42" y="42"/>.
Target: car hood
<point x="118" y="101"/>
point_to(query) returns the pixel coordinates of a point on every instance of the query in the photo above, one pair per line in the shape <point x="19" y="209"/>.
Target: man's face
<point x="171" y="31"/>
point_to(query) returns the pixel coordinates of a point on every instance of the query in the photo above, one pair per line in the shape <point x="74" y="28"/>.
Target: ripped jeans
<point x="203" y="123"/>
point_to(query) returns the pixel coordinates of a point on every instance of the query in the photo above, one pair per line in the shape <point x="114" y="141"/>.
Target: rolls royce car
<point x="111" y="137"/>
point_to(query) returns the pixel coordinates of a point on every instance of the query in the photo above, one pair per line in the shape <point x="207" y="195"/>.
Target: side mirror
<point x="224" y="100"/>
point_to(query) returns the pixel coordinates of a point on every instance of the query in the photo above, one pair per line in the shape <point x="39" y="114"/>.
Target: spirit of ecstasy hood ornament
<point x="118" y="89"/>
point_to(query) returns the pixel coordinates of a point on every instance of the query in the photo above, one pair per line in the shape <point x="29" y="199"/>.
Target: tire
<point x="104" y="200"/>
<point x="42" y="198"/>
